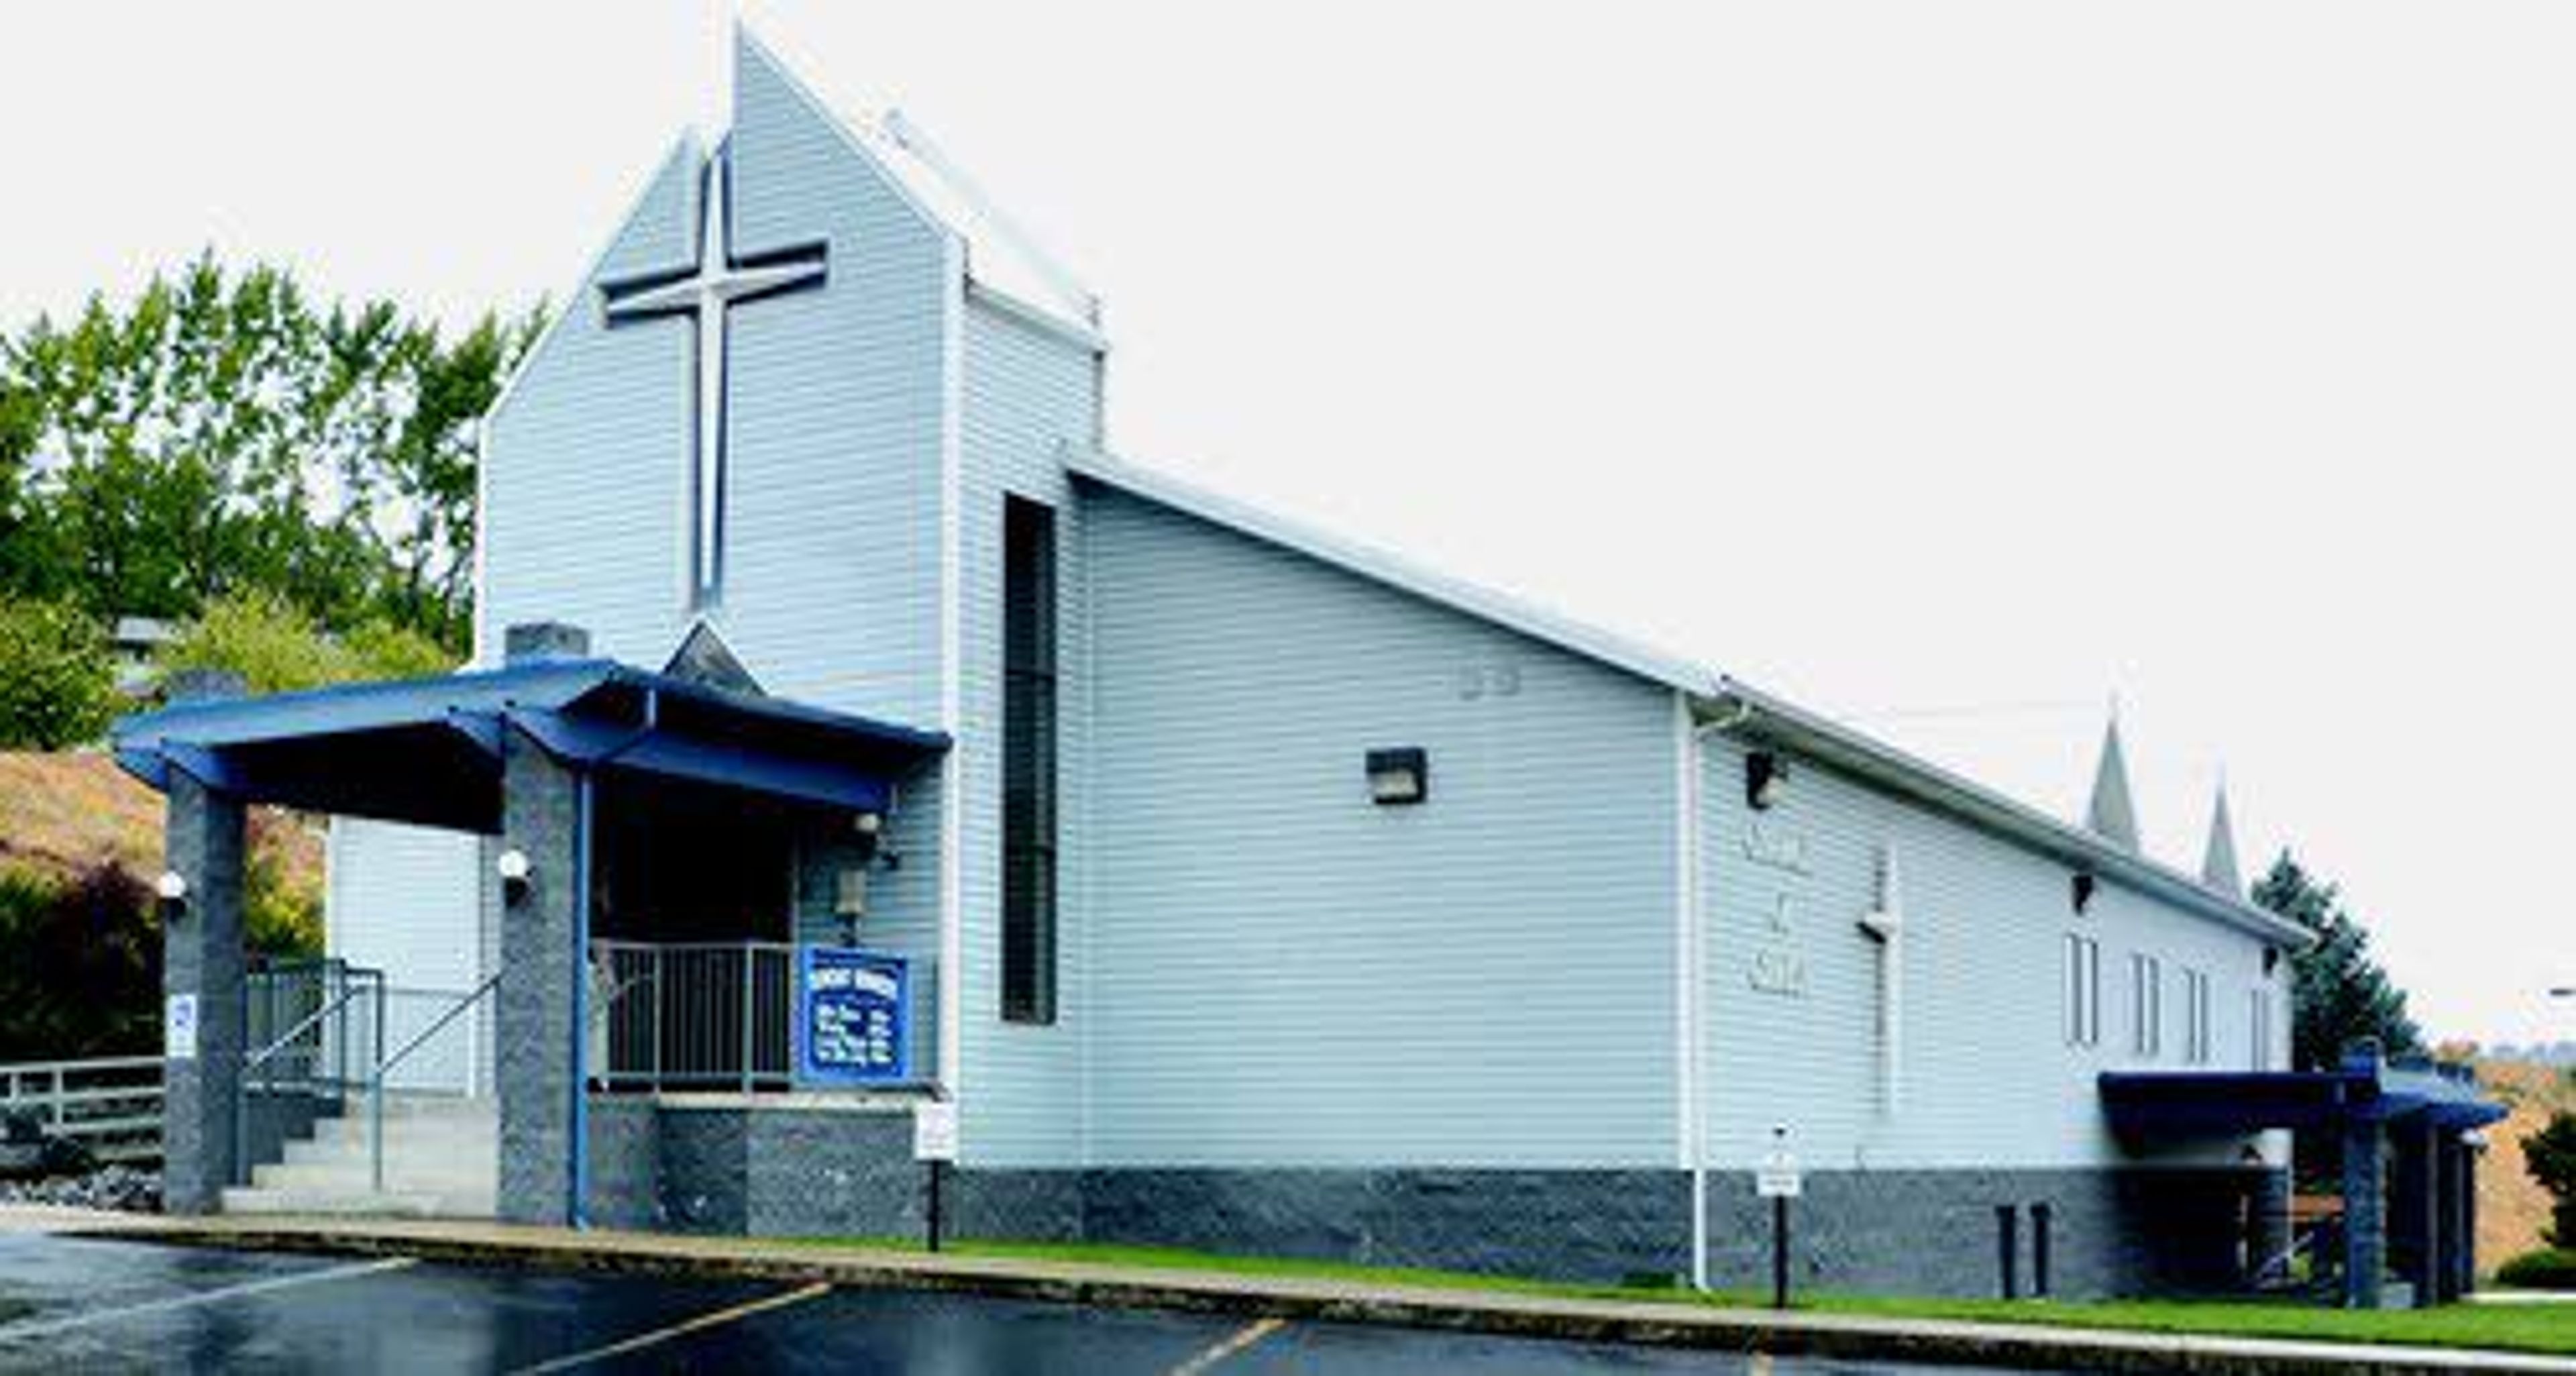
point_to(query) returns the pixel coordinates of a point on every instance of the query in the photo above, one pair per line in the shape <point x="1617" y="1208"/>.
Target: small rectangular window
<point x="1028" y="762"/>
<point x="2258" y="1024"/>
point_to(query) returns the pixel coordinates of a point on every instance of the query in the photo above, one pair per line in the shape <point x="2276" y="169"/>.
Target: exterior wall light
<point x="172" y="890"/>
<point x="1399" y="777"/>
<point x="2083" y="888"/>
<point x="1765" y="775"/>
<point x="514" y="870"/>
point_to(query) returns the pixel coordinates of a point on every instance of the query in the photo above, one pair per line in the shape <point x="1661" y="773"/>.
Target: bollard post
<point x="2008" y="1248"/>
<point x="2041" y="1216"/>
<point x="1780" y="1252"/>
<point x="938" y="1173"/>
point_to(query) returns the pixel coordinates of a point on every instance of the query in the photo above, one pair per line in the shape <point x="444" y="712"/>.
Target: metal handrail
<point x="241" y="1108"/>
<point x="376" y="1077"/>
<point x="265" y="1054"/>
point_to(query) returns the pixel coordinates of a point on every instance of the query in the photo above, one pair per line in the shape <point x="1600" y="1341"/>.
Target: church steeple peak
<point x="2112" y="815"/>
<point x="2218" y="867"/>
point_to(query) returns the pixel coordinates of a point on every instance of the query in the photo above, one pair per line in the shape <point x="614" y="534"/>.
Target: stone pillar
<point x="2446" y="1214"/>
<point x="2425" y="1144"/>
<point x="541" y="819"/>
<point x="2463" y="1160"/>
<point x="2365" y="1239"/>
<point x="201" y="975"/>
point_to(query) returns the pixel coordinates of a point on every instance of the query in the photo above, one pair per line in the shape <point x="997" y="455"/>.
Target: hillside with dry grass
<point x="2512" y="1208"/>
<point x="64" y="813"/>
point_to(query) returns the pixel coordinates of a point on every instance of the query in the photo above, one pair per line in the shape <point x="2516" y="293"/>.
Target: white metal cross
<point x="1886" y="924"/>
<point x="705" y="291"/>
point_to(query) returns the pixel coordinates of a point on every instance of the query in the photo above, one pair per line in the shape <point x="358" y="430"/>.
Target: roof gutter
<point x="1735" y="709"/>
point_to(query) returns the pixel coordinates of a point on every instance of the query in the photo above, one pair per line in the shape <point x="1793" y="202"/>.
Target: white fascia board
<point x="1750" y="713"/>
<point x="1029" y="313"/>
<point x="1377" y="566"/>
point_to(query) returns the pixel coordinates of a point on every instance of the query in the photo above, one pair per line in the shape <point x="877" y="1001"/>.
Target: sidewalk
<point x="1841" y="1336"/>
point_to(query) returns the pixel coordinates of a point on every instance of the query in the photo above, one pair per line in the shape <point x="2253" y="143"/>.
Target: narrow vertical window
<point x="2195" y="989"/>
<point x="2083" y="991"/>
<point x="2146" y="1006"/>
<point x="2258" y="1024"/>
<point x="1028" y="761"/>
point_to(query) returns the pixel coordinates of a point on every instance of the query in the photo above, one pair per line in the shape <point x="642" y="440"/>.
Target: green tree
<point x="277" y="648"/>
<point x="2340" y="994"/>
<point x="273" y="646"/>
<point x="220" y="434"/>
<point x="57" y="682"/>
<point x="2550" y="1156"/>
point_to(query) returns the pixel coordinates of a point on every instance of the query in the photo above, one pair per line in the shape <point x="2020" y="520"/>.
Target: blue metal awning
<point x="428" y="750"/>
<point x="2203" y="1104"/>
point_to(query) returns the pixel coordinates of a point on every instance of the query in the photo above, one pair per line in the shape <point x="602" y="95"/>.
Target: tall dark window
<point x="1028" y="761"/>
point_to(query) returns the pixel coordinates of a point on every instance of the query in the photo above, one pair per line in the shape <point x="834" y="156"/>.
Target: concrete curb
<point x="1836" y="1336"/>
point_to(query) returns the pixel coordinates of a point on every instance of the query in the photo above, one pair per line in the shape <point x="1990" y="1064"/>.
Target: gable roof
<point x="1002" y="259"/>
<point x="1484" y="604"/>
<point x="1720" y="701"/>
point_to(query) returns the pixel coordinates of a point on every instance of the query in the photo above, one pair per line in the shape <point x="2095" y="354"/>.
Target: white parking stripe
<point x="1249" y="1334"/>
<point x="679" y="1330"/>
<point x="38" y="1328"/>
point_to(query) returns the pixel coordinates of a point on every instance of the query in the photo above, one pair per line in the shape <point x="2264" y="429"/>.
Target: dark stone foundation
<point x="848" y="1172"/>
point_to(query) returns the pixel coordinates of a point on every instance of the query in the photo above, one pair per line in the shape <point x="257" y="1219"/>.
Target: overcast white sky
<point x="1899" y="357"/>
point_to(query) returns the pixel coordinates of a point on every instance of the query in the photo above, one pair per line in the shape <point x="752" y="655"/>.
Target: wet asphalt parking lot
<point x="80" y="1305"/>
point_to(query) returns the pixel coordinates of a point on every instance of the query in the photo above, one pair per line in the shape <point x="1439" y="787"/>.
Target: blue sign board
<point x="853" y="1017"/>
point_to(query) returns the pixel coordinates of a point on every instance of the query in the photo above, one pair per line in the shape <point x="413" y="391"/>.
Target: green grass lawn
<point x="2544" y="1328"/>
<point x="2548" y="1328"/>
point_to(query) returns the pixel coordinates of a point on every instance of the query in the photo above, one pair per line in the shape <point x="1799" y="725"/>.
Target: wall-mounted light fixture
<point x="172" y="891"/>
<point x="2082" y="891"/>
<point x="868" y="838"/>
<point x="2271" y="960"/>
<point x="1765" y="776"/>
<point x="514" y="871"/>
<point x="1399" y="777"/>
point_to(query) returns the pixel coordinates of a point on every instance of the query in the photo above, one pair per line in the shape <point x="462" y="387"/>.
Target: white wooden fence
<point x="111" y="1105"/>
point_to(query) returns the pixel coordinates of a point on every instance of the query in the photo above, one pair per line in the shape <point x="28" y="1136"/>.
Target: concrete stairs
<point x="442" y="1160"/>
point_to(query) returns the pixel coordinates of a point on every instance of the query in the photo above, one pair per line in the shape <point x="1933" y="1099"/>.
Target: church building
<point x="862" y="763"/>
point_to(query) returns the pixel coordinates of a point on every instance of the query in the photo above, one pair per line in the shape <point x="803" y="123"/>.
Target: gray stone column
<point x="2470" y="1159"/>
<point x="541" y="818"/>
<point x="201" y="961"/>
<point x="2365" y="1237"/>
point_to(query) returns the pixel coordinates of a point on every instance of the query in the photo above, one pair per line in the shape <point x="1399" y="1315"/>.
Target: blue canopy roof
<point x="428" y="750"/>
<point x="2185" y="1104"/>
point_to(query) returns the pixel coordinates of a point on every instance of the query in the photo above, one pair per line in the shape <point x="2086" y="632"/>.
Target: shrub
<point x="274" y="647"/>
<point x="57" y="683"/>
<point x="2550" y="1268"/>
<point x="83" y="977"/>
<point x="278" y="649"/>
<point x="2550" y="1156"/>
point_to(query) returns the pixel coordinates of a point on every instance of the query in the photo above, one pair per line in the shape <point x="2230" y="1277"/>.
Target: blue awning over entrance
<point x="428" y="750"/>
<point x="2202" y="1104"/>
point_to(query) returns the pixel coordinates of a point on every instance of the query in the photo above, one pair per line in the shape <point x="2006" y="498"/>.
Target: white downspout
<point x="1688" y="1114"/>
<point x="1691" y="942"/>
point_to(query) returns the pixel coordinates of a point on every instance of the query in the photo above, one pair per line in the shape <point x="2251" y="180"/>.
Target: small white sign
<point x="1778" y="1177"/>
<point x="934" y="1131"/>
<point x="179" y="1028"/>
